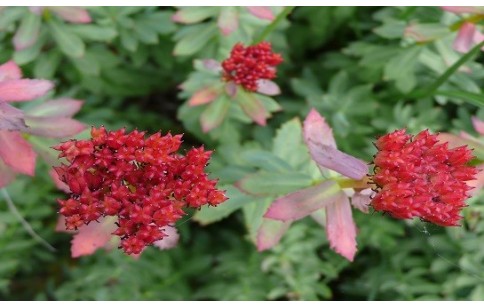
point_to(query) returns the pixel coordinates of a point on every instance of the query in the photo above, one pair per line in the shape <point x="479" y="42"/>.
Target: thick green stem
<point x="24" y="223"/>
<point x="273" y="24"/>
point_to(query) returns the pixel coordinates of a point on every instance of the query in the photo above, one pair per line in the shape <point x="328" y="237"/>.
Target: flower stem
<point x="273" y="24"/>
<point x="24" y="223"/>
<point x="448" y="73"/>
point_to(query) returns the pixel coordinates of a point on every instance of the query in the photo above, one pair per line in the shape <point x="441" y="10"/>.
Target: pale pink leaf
<point x="478" y="125"/>
<point x="478" y="183"/>
<point x="53" y="127"/>
<point x="17" y="153"/>
<point x="231" y="89"/>
<point x="170" y="240"/>
<point x="316" y="128"/>
<point x="58" y="183"/>
<point x="465" y="37"/>
<point x="72" y="14"/>
<point x="10" y="71"/>
<point x="228" y="21"/>
<point x="303" y="202"/>
<point x="340" y="228"/>
<point x="7" y="175"/>
<point x="262" y="12"/>
<point x="92" y="237"/>
<point x="268" y="87"/>
<point x="23" y="89"/>
<point x="252" y="107"/>
<point x="61" y="107"/>
<point x="361" y="199"/>
<point x="212" y="65"/>
<point x="457" y="141"/>
<point x="331" y="158"/>
<point x="270" y="233"/>
<point x="11" y="118"/>
<point x="203" y="96"/>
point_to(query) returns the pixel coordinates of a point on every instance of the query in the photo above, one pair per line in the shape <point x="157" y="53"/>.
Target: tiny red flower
<point x="247" y="66"/>
<point x="420" y="177"/>
<point x="142" y="181"/>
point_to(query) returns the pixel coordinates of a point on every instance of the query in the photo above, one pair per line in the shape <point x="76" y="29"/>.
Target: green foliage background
<point x="354" y="65"/>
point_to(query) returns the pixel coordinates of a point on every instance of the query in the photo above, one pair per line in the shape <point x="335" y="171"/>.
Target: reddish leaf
<point x="262" y="12"/>
<point x="252" y="107"/>
<point x="17" y="153"/>
<point x="23" y="89"/>
<point x="92" y="237"/>
<point x="478" y="125"/>
<point x="268" y="87"/>
<point x="340" y="228"/>
<point x="204" y="96"/>
<point x="270" y="233"/>
<point x="72" y="14"/>
<point x="465" y="37"/>
<point x="10" y="71"/>
<point x="11" y="118"/>
<point x="170" y="240"/>
<point x="301" y="203"/>
<point x="317" y="130"/>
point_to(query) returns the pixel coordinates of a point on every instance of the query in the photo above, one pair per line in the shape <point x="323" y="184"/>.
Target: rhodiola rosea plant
<point x="328" y="153"/>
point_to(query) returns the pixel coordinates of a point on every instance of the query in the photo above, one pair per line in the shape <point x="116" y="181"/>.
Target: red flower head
<point x="142" y="181"/>
<point x="248" y="65"/>
<point x="419" y="177"/>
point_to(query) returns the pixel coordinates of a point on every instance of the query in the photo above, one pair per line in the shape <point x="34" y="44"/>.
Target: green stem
<point x="448" y="73"/>
<point x="24" y="223"/>
<point x="273" y="24"/>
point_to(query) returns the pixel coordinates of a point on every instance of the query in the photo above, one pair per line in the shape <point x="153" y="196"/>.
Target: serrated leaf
<point x="69" y="42"/>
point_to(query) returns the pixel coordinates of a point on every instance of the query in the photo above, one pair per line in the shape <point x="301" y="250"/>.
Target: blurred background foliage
<point x="359" y="67"/>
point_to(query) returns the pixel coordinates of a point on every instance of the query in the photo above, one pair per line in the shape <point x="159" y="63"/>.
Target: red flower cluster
<point x="420" y="177"/>
<point x="142" y="181"/>
<point x="248" y="65"/>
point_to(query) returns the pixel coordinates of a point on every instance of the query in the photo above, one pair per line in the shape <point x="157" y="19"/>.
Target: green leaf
<point x="160" y="22"/>
<point x="476" y="99"/>
<point x="194" y="38"/>
<point x="401" y="68"/>
<point x="94" y="32"/>
<point x="10" y="15"/>
<point x="391" y="29"/>
<point x="47" y="64"/>
<point x="129" y="40"/>
<point x="289" y="145"/>
<point x="215" y="113"/>
<point x="25" y="56"/>
<point x="266" y="161"/>
<point x="251" y="106"/>
<point x="69" y="42"/>
<point x="28" y="31"/>
<point x="263" y="183"/>
<point x="237" y="199"/>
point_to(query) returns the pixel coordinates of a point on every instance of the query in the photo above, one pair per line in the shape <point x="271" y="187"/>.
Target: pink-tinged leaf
<point x="38" y="10"/>
<point x="17" y="153"/>
<point x="270" y="233"/>
<point x="72" y="14"/>
<point x="302" y="203"/>
<point x="457" y="141"/>
<point x="478" y="183"/>
<point x="463" y="9"/>
<point x="252" y="107"/>
<point x="7" y="175"/>
<point x="316" y="128"/>
<point x="62" y="107"/>
<point x="331" y="158"/>
<point x="10" y="71"/>
<point x="190" y="15"/>
<point x="478" y="125"/>
<point x="11" y="118"/>
<point x="92" y="237"/>
<point x="61" y="225"/>
<point x="340" y="228"/>
<point x="228" y="21"/>
<point x="23" y="89"/>
<point x="465" y="37"/>
<point x="170" y="240"/>
<point x="28" y="32"/>
<point x="204" y="96"/>
<point x="231" y="89"/>
<point x="361" y="199"/>
<point x="212" y="65"/>
<point x="262" y="12"/>
<point x="214" y="114"/>
<point x="58" y="183"/>
<point x="53" y="127"/>
<point x="268" y="87"/>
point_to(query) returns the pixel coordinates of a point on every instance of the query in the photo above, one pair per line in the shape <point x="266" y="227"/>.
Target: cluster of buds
<point x="420" y="177"/>
<point x="246" y="66"/>
<point x="142" y="181"/>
